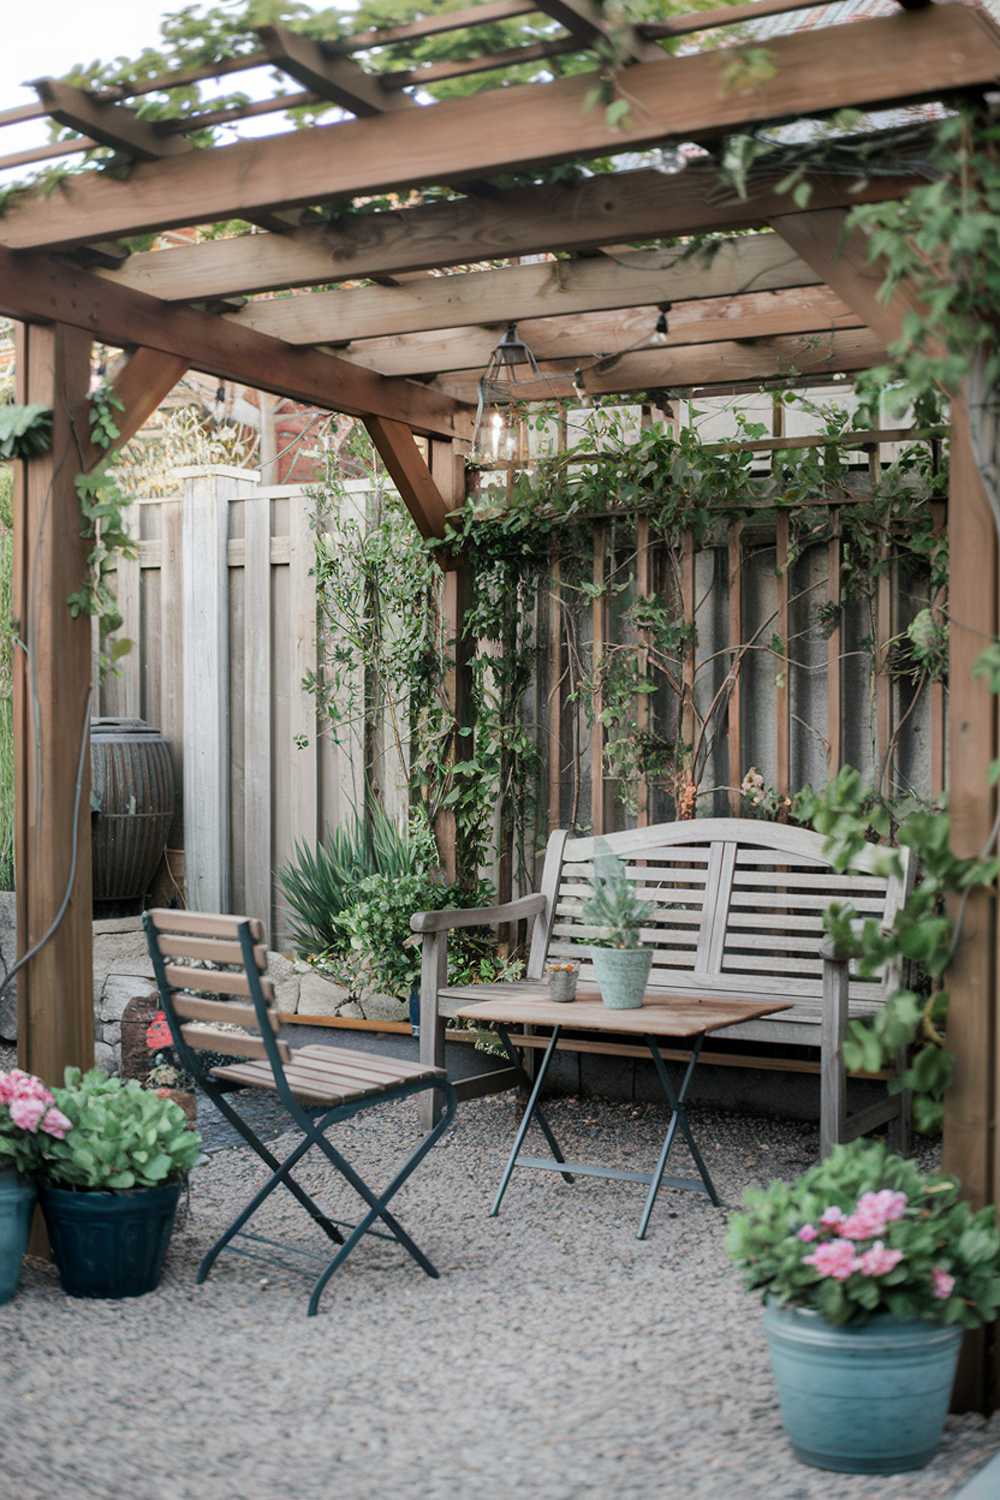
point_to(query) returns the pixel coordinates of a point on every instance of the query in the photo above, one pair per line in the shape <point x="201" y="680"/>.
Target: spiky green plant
<point x="613" y="905"/>
<point x="320" y="883"/>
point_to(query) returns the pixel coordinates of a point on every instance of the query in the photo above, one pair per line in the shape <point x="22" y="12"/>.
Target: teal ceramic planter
<point x="865" y="1400"/>
<point x="17" y="1202"/>
<point x="621" y="975"/>
<point x="110" y="1244"/>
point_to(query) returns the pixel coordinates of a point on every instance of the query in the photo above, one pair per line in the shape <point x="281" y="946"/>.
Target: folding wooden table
<point x="660" y="1015"/>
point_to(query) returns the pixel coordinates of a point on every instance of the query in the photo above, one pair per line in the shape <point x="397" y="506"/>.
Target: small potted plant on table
<point x="621" y="963"/>
<point x="28" y="1113"/>
<point x="109" y="1190"/>
<point x="870" y="1270"/>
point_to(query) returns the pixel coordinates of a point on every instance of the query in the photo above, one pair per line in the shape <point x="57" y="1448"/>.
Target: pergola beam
<point x="340" y="80"/>
<point x="728" y="363"/>
<point x="550" y="289"/>
<point x="876" y="63"/>
<point x="585" y="20"/>
<point x="522" y="221"/>
<point x="107" y="124"/>
<point x="410" y="474"/>
<point x="805" y="310"/>
<point x="46" y="289"/>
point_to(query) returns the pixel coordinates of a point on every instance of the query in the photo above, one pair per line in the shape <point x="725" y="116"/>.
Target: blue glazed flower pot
<point x="17" y="1201"/>
<point x="110" y="1244"/>
<point x="870" y="1399"/>
<point x="621" y="974"/>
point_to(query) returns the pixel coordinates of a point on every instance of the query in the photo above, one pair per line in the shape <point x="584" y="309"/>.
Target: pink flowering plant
<point x="28" y="1114"/>
<point x="867" y="1232"/>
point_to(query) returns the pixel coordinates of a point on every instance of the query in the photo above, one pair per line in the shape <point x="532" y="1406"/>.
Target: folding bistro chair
<point x="318" y="1086"/>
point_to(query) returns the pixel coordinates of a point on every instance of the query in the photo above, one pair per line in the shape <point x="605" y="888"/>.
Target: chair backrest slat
<point x="204" y="924"/>
<point x="231" y="1012"/>
<point x="210" y="950"/>
<point x="234" y="1043"/>
<point x="215" y="981"/>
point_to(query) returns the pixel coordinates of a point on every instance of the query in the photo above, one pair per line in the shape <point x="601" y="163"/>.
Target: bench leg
<point x="433" y="974"/>
<point x="833" y="1078"/>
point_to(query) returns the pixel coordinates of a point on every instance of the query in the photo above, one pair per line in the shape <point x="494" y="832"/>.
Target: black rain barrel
<point x="133" y="804"/>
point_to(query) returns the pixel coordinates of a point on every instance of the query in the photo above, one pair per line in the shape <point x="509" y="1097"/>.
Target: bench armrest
<point x="477" y="916"/>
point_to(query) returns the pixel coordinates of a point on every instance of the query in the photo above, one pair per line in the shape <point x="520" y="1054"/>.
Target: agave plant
<point x="613" y="905"/>
<point x="322" y="882"/>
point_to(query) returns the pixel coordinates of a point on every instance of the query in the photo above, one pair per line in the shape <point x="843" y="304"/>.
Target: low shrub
<point x="121" y="1136"/>
<point x="867" y="1232"/>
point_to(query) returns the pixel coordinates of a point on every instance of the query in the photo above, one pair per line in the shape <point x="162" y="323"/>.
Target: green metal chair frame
<point x="196" y="935"/>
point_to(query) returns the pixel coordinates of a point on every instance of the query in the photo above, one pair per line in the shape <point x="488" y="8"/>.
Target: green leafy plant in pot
<point x="621" y="963"/>
<point x="870" y="1269"/>
<point x="28" y="1116"/>
<point x="109" y="1189"/>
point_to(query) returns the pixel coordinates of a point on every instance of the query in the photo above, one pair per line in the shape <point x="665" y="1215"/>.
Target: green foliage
<point x="25" y="431"/>
<point x="612" y="904"/>
<point x="922" y="933"/>
<point x="102" y="502"/>
<point x="382" y="953"/>
<point x="935" y="1233"/>
<point x="122" y="1136"/>
<point x="320" y="884"/>
<point x="943" y="241"/>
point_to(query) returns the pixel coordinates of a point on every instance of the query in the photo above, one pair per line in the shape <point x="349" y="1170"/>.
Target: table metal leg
<point x="678" y="1118"/>
<point x="531" y="1110"/>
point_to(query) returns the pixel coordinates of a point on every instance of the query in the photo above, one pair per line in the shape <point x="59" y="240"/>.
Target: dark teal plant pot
<point x="17" y="1202"/>
<point x="110" y="1244"/>
<point x="864" y="1400"/>
<point x="622" y="974"/>
<point x="415" y="1010"/>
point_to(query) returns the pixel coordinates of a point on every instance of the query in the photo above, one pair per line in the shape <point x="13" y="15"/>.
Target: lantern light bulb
<point x="668" y="160"/>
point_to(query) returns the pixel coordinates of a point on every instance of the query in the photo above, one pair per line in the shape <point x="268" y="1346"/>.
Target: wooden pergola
<point x="403" y="351"/>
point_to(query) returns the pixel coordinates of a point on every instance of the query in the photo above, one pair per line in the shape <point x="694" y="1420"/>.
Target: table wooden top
<point x="527" y="1003"/>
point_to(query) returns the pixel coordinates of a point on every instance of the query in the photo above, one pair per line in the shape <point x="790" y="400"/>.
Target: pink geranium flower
<point x="836" y="1258"/>
<point x="878" y="1260"/>
<point x="56" y="1124"/>
<point x="944" y="1284"/>
<point x="873" y="1213"/>
<point x="831" y="1216"/>
<point x="26" y="1113"/>
<point x="807" y="1233"/>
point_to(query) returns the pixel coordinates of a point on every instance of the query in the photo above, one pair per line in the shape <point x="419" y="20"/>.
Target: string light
<point x="219" y="410"/>
<point x="579" y="389"/>
<point x="662" y="329"/>
<point x="669" y="160"/>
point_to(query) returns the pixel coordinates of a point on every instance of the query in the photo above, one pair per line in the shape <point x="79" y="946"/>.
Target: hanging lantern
<point x="494" y="437"/>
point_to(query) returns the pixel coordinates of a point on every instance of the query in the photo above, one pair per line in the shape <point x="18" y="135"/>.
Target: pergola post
<point x="971" y="1101"/>
<point x="448" y="470"/>
<point x="52" y="697"/>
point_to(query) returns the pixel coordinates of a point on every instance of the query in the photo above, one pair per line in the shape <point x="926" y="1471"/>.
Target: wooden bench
<point x="740" y="913"/>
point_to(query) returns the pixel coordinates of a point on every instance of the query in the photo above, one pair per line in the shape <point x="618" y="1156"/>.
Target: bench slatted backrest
<point x="740" y="907"/>
<point x="187" y="942"/>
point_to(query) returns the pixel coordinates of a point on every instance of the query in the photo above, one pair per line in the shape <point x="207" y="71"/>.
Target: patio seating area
<point x="557" y="1356"/>
<point x="600" y="1095"/>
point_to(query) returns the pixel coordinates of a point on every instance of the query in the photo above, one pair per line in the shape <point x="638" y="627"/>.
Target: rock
<point x="284" y="974"/>
<point x="384" y="1007"/>
<point x="104" y="1057"/>
<point x="8" y="953"/>
<point x="116" y="925"/>
<point x="321" y="997"/>
<point x="118" y="990"/>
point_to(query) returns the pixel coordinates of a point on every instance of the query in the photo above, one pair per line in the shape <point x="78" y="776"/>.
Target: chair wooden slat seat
<point x="328" y="1075"/>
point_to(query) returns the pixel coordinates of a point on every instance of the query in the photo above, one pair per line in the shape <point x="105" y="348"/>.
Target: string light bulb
<point x="668" y="159"/>
<point x="579" y="389"/>
<point x="219" y="409"/>
<point x="661" y="331"/>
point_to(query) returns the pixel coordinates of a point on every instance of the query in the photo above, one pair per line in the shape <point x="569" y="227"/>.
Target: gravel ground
<point x="557" y="1357"/>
